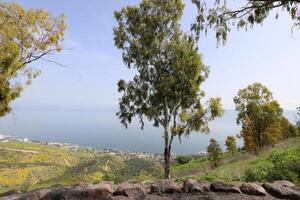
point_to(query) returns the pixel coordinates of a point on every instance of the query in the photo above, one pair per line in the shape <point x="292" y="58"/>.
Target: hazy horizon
<point x="100" y="128"/>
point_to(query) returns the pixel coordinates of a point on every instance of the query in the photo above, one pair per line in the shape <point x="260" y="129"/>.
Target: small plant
<point x="208" y="176"/>
<point x="181" y="160"/>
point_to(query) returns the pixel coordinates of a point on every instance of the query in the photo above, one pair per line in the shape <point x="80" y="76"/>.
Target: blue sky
<point x="266" y="54"/>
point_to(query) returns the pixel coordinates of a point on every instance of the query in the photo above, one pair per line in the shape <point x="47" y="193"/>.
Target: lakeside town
<point x="77" y="147"/>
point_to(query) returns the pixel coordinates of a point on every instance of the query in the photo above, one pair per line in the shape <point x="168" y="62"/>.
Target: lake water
<point x="101" y="128"/>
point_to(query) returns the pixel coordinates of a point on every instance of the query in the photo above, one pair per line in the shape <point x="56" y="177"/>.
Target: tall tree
<point x="25" y="37"/>
<point x="169" y="72"/>
<point x="222" y="15"/>
<point x="260" y="116"/>
<point x="231" y="144"/>
<point x="214" y="151"/>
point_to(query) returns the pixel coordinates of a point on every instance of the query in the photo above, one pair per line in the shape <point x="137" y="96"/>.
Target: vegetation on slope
<point x="280" y="162"/>
<point x="28" y="166"/>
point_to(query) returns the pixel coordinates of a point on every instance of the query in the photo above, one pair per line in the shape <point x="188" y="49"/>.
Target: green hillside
<point x="28" y="166"/>
<point x="280" y="162"/>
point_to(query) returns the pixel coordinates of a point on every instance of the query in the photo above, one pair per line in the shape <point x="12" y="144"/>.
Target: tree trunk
<point x="167" y="156"/>
<point x="167" y="153"/>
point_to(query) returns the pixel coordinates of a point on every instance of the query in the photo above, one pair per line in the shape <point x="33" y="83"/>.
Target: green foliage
<point x="26" y="36"/>
<point x="231" y="144"/>
<point x="260" y="116"/>
<point x="208" y="176"/>
<point x="181" y="160"/>
<point x="287" y="129"/>
<point x="258" y="173"/>
<point x="234" y="167"/>
<point x="214" y="151"/>
<point x="169" y="72"/>
<point x="30" y="166"/>
<point x="138" y="168"/>
<point x="279" y="165"/>
<point x="244" y="15"/>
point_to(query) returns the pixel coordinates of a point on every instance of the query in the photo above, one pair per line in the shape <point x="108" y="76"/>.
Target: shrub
<point x="279" y="165"/>
<point x="284" y="165"/>
<point x="183" y="159"/>
<point x="257" y="173"/>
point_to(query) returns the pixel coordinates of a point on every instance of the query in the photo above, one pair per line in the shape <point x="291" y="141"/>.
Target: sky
<point x="268" y="54"/>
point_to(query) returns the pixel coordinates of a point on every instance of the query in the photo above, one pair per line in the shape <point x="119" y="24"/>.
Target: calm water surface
<point x="101" y="129"/>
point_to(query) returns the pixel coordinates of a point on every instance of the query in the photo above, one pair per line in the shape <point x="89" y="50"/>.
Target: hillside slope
<point x="28" y="166"/>
<point x="234" y="167"/>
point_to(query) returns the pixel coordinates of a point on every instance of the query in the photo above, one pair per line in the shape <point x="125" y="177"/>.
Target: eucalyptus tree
<point x="25" y="37"/>
<point x="168" y="72"/>
<point x="222" y="15"/>
<point x="260" y="116"/>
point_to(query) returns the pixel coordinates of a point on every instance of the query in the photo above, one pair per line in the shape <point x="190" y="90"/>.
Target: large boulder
<point x="35" y="195"/>
<point x="280" y="191"/>
<point x="131" y="190"/>
<point x="165" y="186"/>
<point x="285" y="183"/>
<point x="253" y="189"/>
<point x="65" y="193"/>
<point x="192" y="186"/>
<point x="99" y="190"/>
<point x="224" y="187"/>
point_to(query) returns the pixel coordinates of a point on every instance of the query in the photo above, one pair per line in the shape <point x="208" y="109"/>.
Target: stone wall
<point x="163" y="189"/>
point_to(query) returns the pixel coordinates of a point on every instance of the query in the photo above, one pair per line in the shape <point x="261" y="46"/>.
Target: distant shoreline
<point x="77" y="147"/>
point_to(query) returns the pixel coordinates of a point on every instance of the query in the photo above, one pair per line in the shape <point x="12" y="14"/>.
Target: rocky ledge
<point x="165" y="190"/>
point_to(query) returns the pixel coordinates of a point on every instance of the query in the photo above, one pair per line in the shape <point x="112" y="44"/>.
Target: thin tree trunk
<point x="167" y="155"/>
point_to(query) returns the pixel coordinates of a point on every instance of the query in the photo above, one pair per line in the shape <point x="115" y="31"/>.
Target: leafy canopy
<point x="168" y="65"/>
<point x="260" y="116"/>
<point x="25" y="36"/>
<point x="221" y="15"/>
<point x="169" y="72"/>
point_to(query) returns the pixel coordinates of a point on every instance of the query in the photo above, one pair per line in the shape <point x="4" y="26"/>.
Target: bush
<point x="183" y="159"/>
<point x="258" y="173"/>
<point x="284" y="165"/>
<point x="279" y="165"/>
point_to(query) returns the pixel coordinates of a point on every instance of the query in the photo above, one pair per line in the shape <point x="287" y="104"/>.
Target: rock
<point x="165" y="186"/>
<point x="34" y="195"/>
<point x="280" y="191"/>
<point x="64" y="194"/>
<point x="191" y="186"/>
<point x="9" y="193"/>
<point x="285" y="183"/>
<point x="99" y="190"/>
<point x="131" y="190"/>
<point x="253" y="189"/>
<point x="224" y="187"/>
